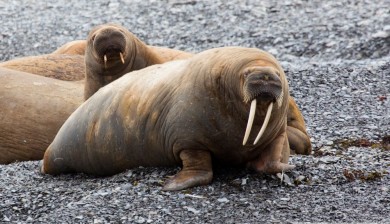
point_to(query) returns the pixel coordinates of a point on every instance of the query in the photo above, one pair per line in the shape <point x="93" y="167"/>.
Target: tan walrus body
<point x="76" y="47"/>
<point x="187" y="112"/>
<point x="57" y="66"/>
<point x="32" y="110"/>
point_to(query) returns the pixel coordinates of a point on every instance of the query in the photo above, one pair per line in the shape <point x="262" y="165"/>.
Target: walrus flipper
<point x="298" y="138"/>
<point x="197" y="171"/>
<point x="275" y="158"/>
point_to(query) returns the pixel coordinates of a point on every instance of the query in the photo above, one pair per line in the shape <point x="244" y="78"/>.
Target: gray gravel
<point x="337" y="58"/>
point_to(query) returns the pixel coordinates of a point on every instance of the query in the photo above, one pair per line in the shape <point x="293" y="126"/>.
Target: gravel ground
<point x="337" y="58"/>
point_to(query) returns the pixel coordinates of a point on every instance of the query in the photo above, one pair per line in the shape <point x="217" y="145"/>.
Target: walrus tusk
<point x="121" y="55"/>
<point x="265" y="123"/>
<point x="105" y="61"/>
<point x="252" y="113"/>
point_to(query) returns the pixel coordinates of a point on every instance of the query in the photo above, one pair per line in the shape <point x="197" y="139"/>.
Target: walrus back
<point x="112" y="130"/>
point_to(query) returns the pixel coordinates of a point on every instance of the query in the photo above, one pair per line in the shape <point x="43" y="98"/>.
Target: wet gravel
<point x="337" y="58"/>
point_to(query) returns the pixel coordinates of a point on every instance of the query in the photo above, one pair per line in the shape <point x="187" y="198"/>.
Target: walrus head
<point x="109" y="45"/>
<point x="261" y="84"/>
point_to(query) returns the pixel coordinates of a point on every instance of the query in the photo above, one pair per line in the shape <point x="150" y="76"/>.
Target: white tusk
<point x="265" y="123"/>
<point x="121" y="55"/>
<point x="252" y="113"/>
<point x="105" y="61"/>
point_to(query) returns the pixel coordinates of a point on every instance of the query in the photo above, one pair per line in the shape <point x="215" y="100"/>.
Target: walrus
<point x="188" y="112"/>
<point x="113" y="51"/>
<point x="57" y="66"/>
<point x="76" y="47"/>
<point x="32" y="110"/>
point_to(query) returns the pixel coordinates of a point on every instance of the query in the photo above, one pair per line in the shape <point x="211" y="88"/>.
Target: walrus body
<point x="76" y="47"/>
<point x="32" y="110"/>
<point x="187" y="112"/>
<point x="57" y="66"/>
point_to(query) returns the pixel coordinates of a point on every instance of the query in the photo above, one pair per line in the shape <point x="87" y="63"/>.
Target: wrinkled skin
<point x="189" y="112"/>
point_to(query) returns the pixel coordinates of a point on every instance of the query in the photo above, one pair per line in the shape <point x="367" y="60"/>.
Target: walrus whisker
<point x="279" y="100"/>
<point x="252" y="113"/>
<point x="122" y="59"/>
<point x="265" y="123"/>
<point x="105" y="61"/>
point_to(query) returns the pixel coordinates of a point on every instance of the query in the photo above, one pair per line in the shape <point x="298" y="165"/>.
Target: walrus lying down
<point x="186" y="112"/>
<point x="32" y="110"/>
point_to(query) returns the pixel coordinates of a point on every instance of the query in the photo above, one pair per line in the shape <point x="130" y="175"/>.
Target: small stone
<point x="380" y="34"/>
<point x="223" y="200"/>
<point x="191" y="209"/>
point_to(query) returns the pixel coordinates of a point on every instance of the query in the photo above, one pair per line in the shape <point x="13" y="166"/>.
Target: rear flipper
<point x="298" y="138"/>
<point x="299" y="142"/>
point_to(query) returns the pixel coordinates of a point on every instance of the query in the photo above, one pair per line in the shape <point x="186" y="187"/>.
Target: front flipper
<point x="274" y="159"/>
<point x="197" y="170"/>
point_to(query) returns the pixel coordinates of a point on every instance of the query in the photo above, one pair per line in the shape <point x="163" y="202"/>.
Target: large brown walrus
<point x="32" y="110"/>
<point x="188" y="112"/>
<point x="112" y="51"/>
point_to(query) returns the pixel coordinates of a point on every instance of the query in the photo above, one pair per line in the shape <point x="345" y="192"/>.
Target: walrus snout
<point x="262" y="85"/>
<point x="110" y="45"/>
